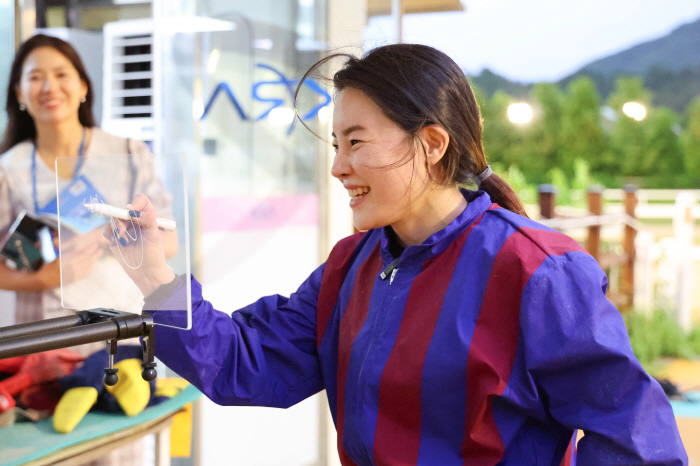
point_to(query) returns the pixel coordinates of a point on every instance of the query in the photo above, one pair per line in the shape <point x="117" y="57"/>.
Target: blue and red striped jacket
<point x="489" y="344"/>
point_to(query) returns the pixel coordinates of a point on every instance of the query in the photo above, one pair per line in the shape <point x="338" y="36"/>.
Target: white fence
<point x="664" y="266"/>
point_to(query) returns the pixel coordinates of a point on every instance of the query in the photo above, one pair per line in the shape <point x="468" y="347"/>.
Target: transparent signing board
<point x="123" y="235"/>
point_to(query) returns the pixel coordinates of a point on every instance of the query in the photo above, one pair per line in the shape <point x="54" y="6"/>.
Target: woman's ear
<point x="435" y="140"/>
<point x="18" y="94"/>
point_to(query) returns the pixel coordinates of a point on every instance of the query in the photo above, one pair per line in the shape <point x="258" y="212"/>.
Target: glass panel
<point x="108" y="256"/>
<point x="255" y="163"/>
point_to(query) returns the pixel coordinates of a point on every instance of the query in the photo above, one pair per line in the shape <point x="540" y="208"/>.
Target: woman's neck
<point x="436" y="210"/>
<point x="59" y="140"/>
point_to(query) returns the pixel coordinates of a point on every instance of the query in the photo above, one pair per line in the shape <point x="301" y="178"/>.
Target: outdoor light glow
<point x="634" y="110"/>
<point x="213" y="61"/>
<point x="281" y="116"/>
<point x="324" y="115"/>
<point x="520" y="113"/>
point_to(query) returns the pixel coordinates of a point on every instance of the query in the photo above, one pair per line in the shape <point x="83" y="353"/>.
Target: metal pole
<point x="63" y="338"/>
<point x="397" y="14"/>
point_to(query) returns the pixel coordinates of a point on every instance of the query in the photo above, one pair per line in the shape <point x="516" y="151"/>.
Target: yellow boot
<point x="72" y="407"/>
<point x="131" y="391"/>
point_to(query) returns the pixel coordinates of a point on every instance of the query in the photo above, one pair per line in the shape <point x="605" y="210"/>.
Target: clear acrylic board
<point x="110" y="257"/>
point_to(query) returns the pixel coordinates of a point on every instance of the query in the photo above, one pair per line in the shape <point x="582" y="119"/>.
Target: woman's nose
<point x="48" y="84"/>
<point x="341" y="167"/>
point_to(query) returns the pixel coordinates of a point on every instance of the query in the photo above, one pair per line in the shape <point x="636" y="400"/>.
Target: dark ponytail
<point x="416" y="86"/>
<point x="502" y="194"/>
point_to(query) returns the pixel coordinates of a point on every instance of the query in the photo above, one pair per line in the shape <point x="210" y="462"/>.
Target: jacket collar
<point x="478" y="203"/>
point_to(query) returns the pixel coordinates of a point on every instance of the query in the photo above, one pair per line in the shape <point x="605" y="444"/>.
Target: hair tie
<point x="478" y="179"/>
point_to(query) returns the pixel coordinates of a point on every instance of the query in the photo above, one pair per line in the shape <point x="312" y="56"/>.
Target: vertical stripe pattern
<point x="333" y="276"/>
<point x="397" y="436"/>
<point x="350" y="324"/>
<point x="495" y="339"/>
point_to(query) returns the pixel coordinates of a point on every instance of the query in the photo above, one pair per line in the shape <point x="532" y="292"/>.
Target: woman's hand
<point x="139" y="246"/>
<point x="78" y="256"/>
<point x="49" y="275"/>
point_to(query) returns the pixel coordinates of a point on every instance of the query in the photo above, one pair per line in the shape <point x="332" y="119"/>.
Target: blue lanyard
<point x="75" y="172"/>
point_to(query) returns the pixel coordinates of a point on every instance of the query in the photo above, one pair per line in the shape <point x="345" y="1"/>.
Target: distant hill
<point x="669" y="65"/>
<point x="678" y="51"/>
<point x="490" y="82"/>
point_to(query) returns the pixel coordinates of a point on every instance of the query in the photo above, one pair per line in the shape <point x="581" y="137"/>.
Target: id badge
<point x="74" y="215"/>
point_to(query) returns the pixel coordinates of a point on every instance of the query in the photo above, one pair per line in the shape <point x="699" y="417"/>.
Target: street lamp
<point x="634" y="110"/>
<point x="520" y="113"/>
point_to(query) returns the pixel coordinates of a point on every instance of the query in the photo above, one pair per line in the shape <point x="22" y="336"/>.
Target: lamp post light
<point x="634" y="110"/>
<point x="520" y="113"/>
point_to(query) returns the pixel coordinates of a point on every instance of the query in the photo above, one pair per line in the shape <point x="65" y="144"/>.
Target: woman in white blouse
<point x="49" y="108"/>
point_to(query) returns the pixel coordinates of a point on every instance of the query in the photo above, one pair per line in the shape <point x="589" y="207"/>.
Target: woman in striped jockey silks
<point x="452" y="330"/>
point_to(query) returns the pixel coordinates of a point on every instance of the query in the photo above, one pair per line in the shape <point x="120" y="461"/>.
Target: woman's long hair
<point x="416" y="86"/>
<point x="20" y="125"/>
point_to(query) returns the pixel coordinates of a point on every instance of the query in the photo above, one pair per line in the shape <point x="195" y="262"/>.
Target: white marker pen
<point x="123" y="214"/>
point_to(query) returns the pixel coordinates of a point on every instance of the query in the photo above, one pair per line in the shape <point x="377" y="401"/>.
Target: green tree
<point x="690" y="141"/>
<point x="582" y="135"/>
<point x="543" y="137"/>
<point x="663" y="164"/>
<point x="559" y="181"/>
<point x="628" y="140"/>
<point x="526" y="191"/>
<point x="499" y="135"/>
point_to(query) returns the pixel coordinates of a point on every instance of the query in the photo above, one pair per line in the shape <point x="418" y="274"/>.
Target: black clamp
<point x="148" y="344"/>
<point x="111" y="378"/>
<point x="129" y="326"/>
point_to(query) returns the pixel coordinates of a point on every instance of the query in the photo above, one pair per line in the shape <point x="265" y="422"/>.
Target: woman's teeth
<point x="358" y="192"/>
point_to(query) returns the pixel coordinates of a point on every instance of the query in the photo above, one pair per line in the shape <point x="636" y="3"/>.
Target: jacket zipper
<point x="390" y="271"/>
<point x="393" y="274"/>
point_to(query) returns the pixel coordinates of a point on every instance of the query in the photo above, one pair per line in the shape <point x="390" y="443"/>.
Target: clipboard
<point x="28" y="243"/>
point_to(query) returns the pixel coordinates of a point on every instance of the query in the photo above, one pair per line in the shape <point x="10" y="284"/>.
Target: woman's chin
<point x="364" y="224"/>
<point x="53" y="116"/>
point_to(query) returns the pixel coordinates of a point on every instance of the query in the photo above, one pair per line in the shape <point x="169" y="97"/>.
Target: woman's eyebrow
<point x="349" y="130"/>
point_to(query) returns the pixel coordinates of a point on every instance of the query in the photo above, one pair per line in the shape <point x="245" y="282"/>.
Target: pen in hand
<point x="123" y="214"/>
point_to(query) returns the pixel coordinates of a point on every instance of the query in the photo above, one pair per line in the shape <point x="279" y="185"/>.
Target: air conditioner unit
<point x="129" y="80"/>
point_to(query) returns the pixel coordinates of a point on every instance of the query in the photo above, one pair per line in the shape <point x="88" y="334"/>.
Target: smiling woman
<point x="453" y="330"/>
<point x="386" y="185"/>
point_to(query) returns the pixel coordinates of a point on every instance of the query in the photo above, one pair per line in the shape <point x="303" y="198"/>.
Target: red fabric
<point x="18" y="382"/>
<point x="11" y="365"/>
<point x="400" y="389"/>
<point x="41" y="367"/>
<point x="350" y="325"/>
<point x="567" y="456"/>
<point x="333" y="277"/>
<point x="492" y="350"/>
<point x="6" y="400"/>
<point x="43" y="396"/>
<point x="51" y="365"/>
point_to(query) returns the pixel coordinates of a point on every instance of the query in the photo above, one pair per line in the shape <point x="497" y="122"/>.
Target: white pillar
<point x="644" y="272"/>
<point x="683" y="229"/>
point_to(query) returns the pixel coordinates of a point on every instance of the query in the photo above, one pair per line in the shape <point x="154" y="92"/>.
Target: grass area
<point x="657" y="335"/>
